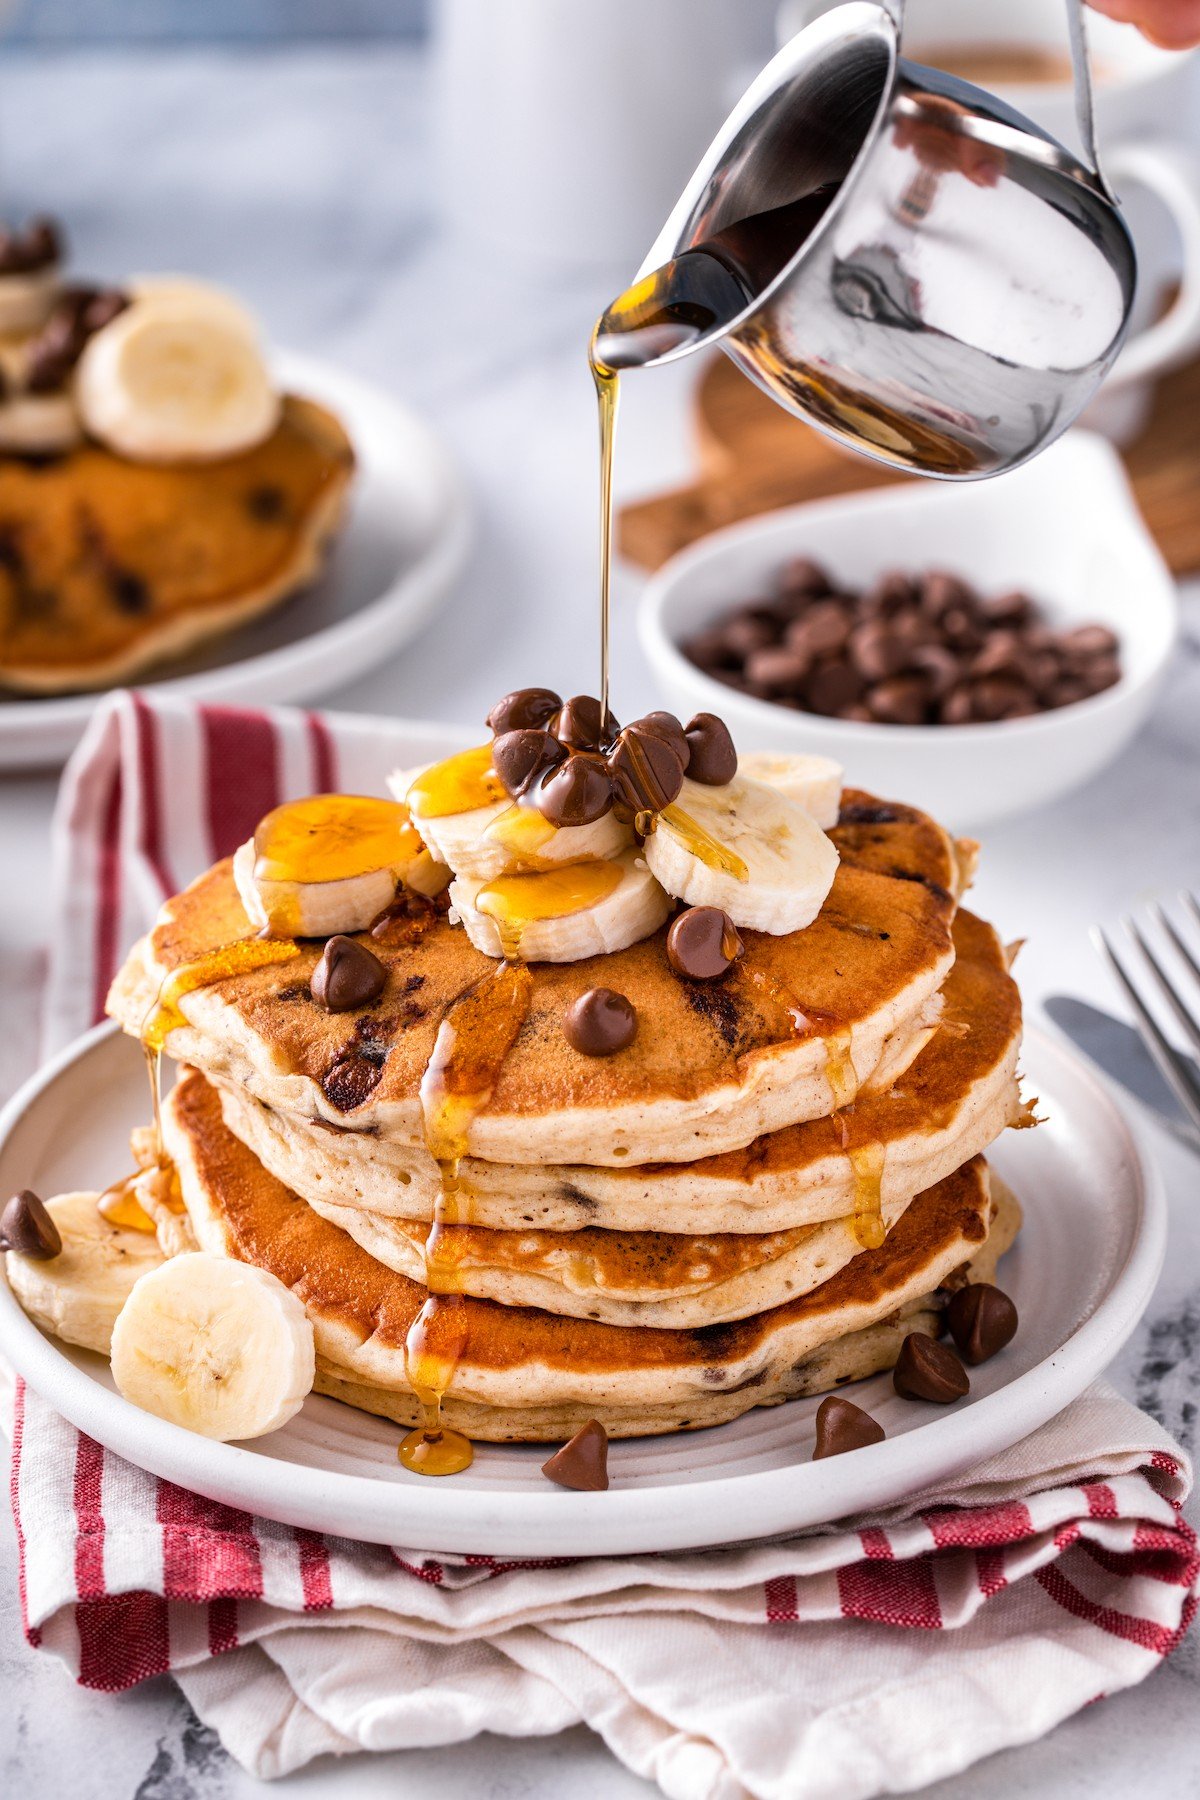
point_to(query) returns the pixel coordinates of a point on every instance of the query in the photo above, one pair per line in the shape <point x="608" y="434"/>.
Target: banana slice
<point x="564" y="914"/>
<point x="214" y="1345"/>
<point x="78" y="1294"/>
<point x="39" y="424"/>
<point x="746" y="848"/>
<point x="331" y="863"/>
<point x="172" y="379"/>
<point x="813" y="782"/>
<point x="26" y="300"/>
<point x="204" y="296"/>
<point x="497" y="837"/>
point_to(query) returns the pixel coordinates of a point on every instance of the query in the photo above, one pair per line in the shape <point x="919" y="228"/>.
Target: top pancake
<point x="714" y="1064"/>
<point x="111" y="565"/>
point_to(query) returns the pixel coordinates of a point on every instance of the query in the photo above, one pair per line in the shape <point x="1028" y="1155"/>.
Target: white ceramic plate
<point x="1082" y="1274"/>
<point x="404" y="543"/>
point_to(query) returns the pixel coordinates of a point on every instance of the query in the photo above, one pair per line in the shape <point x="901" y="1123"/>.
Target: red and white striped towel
<point x="856" y="1661"/>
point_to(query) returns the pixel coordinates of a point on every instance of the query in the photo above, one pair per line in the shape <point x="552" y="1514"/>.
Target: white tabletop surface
<point x="304" y="179"/>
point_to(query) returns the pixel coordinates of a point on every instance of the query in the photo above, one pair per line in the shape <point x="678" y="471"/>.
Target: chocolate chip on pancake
<point x="347" y="976"/>
<point x="927" y="1370"/>
<point x="842" y="1426"/>
<point x="712" y="758"/>
<point x="521" y="755"/>
<point x="523" y="709"/>
<point x="582" y="1463"/>
<point x="578" y="791"/>
<point x="646" y="770"/>
<point x="703" y="943"/>
<point x="600" y="1022"/>
<point x="27" y="1228"/>
<point x="353" y="1077"/>
<point x="981" y="1320"/>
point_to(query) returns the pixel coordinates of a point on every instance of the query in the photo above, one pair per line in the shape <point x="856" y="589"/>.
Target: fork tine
<point x="1166" y="987"/>
<point x="1186" y="953"/>
<point x="1171" y="1066"/>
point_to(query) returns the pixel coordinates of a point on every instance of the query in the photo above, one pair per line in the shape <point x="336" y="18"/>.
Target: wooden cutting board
<point x="755" y="457"/>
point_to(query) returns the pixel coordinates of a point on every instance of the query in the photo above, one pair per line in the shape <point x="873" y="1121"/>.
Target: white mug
<point x="1147" y="109"/>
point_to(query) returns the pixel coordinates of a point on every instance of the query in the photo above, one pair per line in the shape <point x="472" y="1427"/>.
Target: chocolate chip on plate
<point x="646" y="770"/>
<point x="842" y="1426"/>
<point x="927" y="1370"/>
<point x="27" y="1228"/>
<point x="600" y="1022"/>
<point x="703" y="943"/>
<point x="582" y="1463"/>
<point x="348" y="976"/>
<point x="524" y="707"/>
<point x="981" y="1320"/>
<point x="520" y="756"/>
<point x="712" y="758"/>
<point x="576" y="792"/>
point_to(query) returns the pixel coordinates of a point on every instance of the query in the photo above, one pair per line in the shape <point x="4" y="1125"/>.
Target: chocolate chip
<point x="749" y="631"/>
<point x="1104" y="672"/>
<point x="600" y="1022"/>
<point x="130" y="592"/>
<point x="576" y="792"/>
<point x="981" y="1320"/>
<point x="711" y="650"/>
<point x="831" y="686"/>
<point x="646" y="771"/>
<point x="876" y="650"/>
<point x="889" y="594"/>
<point x="804" y="575"/>
<point x="938" y="666"/>
<point x="941" y="592"/>
<point x="777" y="671"/>
<point x="40" y="243"/>
<point x="712" y="758"/>
<point x="823" y="630"/>
<point x="582" y="1463"/>
<point x="578" y="724"/>
<point x="1090" y="640"/>
<point x="266" y="503"/>
<point x="1008" y="609"/>
<point x="842" y="1426"/>
<point x="901" y="701"/>
<point x="956" y="707"/>
<point x="519" y="757"/>
<point x="103" y="308"/>
<point x="703" y="943"/>
<point x="666" y="726"/>
<point x="352" y="1078"/>
<point x="927" y="1370"/>
<point x="522" y="709"/>
<point x="48" y="366"/>
<point x="27" y="1228"/>
<point x="348" y="976"/>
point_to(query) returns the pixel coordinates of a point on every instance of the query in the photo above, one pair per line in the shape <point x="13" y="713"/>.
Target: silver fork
<point x="1145" y="973"/>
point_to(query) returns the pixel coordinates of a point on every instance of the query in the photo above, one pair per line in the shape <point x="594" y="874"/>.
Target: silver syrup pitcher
<point x="967" y="282"/>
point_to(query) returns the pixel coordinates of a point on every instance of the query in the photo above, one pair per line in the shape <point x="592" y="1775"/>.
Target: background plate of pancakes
<point x="404" y="541"/>
<point x="1081" y="1274"/>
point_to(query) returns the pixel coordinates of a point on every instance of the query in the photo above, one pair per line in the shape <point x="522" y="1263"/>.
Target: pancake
<point x="109" y="566"/>
<point x="519" y="1373"/>
<point x="799" y="1022"/>
<point x="953" y="1101"/>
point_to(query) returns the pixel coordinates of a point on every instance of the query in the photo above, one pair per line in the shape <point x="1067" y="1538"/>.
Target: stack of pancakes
<point x="780" y="1179"/>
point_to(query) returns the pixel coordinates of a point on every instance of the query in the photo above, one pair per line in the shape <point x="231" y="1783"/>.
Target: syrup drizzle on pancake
<point x="514" y="901"/>
<point x="866" y="1160"/>
<point x="472" y="1043"/>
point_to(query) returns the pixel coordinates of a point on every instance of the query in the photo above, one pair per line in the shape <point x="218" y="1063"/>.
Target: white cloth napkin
<point x="868" y="1658"/>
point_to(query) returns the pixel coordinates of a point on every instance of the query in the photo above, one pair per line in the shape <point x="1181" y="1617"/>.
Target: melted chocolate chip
<point x="666" y="726"/>
<point x="266" y="503"/>
<point x="842" y="1426"/>
<point x="523" y="709"/>
<point x="129" y="591"/>
<point x="927" y="1370"/>
<point x="703" y="943"/>
<point x="646" y="769"/>
<point x="27" y="1228"/>
<point x="578" y="724"/>
<point x="600" y="1022"/>
<point x="712" y="758"/>
<point x="103" y="308"/>
<point x="348" y="976"/>
<point x="521" y="755"/>
<point x="353" y="1078"/>
<point x="982" y="1320"/>
<point x="582" y="1463"/>
<point x="578" y="791"/>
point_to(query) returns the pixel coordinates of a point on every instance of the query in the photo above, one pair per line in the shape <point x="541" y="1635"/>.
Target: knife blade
<point x="1116" y="1048"/>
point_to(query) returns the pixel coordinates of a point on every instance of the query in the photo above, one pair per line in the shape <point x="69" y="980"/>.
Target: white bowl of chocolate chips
<point x="979" y="649"/>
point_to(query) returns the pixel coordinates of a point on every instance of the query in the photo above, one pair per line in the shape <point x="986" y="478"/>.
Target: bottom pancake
<point x="518" y="1373"/>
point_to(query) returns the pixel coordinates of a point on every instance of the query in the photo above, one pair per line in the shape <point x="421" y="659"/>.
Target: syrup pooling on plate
<point x="515" y="901"/>
<point x="459" y="784"/>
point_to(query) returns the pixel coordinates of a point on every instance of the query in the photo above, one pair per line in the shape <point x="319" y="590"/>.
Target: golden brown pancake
<point x="848" y="1001"/>
<point x="522" y="1373"/>
<point x="108" y="566"/>
<point x="956" y="1097"/>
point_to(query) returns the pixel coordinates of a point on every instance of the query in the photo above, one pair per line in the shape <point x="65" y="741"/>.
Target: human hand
<point x="1173" y="24"/>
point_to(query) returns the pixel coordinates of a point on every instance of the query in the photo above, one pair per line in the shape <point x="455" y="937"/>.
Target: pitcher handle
<point x="1085" y="100"/>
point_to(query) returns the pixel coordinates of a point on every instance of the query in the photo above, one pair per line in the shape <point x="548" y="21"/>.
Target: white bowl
<point x="1065" y="528"/>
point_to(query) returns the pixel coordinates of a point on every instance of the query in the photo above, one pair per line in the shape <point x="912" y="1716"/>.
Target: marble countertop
<point x="253" y="166"/>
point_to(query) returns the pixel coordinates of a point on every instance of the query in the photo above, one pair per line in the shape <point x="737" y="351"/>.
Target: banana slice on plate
<point x="174" y="379"/>
<point x="564" y="914"/>
<point x="746" y="848"/>
<point x="78" y="1294"/>
<point x="217" y="1346"/>
<point x="331" y="863"/>
<point x="813" y="782"/>
<point x="491" y="834"/>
